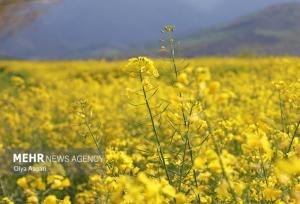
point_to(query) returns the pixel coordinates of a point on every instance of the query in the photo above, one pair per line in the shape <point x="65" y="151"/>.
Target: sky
<point x="139" y="20"/>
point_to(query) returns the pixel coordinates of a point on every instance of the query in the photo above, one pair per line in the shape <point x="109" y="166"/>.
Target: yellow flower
<point x="32" y="199"/>
<point x="214" y="166"/>
<point x="95" y="178"/>
<point x="183" y="78"/>
<point x="86" y="197"/>
<point x="66" y="183"/>
<point x="204" y="177"/>
<point x="155" y="72"/>
<point x="39" y="184"/>
<point x="258" y="141"/>
<point x="239" y="188"/>
<point x="180" y="198"/>
<point x="199" y="163"/>
<point x="222" y="190"/>
<point x="66" y="200"/>
<point x="205" y="199"/>
<point x="22" y="182"/>
<point x="147" y="84"/>
<point x="52" y="178"/>
<point x="143" y="65"/>
<point x="169" y="190"/>
<point x="51" y="199"/>
<point x="271" y="194"/>
<point x="58" y="182"/>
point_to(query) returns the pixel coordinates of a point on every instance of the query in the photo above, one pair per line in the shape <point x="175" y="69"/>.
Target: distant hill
<point x="271" y="31"/>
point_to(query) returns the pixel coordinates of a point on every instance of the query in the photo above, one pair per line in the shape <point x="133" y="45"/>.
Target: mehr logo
<point x="28" y="157"/>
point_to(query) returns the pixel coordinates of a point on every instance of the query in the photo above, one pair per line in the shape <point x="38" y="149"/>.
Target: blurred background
<point x="71" y="29"/>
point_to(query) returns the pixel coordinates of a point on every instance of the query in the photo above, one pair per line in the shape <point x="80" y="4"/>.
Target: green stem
<point x="292" y="140"/>
<point x="161" y="153"/>
<point x="181" y="166"/>
<point x="187" y="142"/>
<point x="87" y="124"/>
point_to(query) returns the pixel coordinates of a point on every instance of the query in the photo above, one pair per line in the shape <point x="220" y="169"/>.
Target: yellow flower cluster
<point x="208" y="130"/>
<point x="141" y="65"/>
<point x="32" y="185"/>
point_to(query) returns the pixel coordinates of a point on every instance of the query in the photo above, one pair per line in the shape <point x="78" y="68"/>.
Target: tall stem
<point x="186" y="125"/>
<point x="87" y="124"/>
<point x="292" y="140"/>
<point x="161" y="153"/>
<point x="94" y="137"/>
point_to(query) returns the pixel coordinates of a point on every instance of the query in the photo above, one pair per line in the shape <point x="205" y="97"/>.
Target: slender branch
<point x="87" y="124"/>
<point x="292" y="140"/>
<point x="186" y="124"/>
<point x="160" y="151"/>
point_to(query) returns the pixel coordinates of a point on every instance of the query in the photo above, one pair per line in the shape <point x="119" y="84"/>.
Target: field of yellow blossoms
<point x="202" y="130"/>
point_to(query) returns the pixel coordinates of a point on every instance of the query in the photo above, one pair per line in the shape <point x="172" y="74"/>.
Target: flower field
<point x="201" y="130"/>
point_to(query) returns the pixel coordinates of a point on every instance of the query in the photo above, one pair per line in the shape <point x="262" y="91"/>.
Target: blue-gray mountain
<point x="272" y="31"/>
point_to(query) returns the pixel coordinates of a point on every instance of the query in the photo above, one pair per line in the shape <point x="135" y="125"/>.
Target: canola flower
<point x="239" y="117"/>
